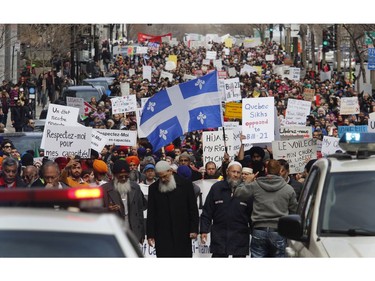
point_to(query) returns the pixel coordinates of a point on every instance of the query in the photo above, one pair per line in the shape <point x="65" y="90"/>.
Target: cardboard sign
<point x="77" y="103"/>
<point x="330" y="145"/>
<point x="232" y="89"/>
<point x="309" y="94"/>
<point x="297" y="152"/>
<point x="125" y="89"/>
<point x="211" y="55"/>
<point x="349" y="105"/>
<point x="98" y="141"/>
<point x="146" y="72"/>
<point x="295" y="132"/>
<point x="214" y="146"/>
<point x="233" y="110"/>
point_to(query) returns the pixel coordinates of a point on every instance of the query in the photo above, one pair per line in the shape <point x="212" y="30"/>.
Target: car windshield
<point x="348" y="204"/>
<point x="97" y="83"/>
<point x="14" y="243"/>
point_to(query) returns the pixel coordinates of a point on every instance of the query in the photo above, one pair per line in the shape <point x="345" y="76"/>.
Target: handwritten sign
<point x="349" y="105"/>
<point x="295" y="132"/>
<point x="309" y="94"/>
<point x="258" y="120"/>
<point x="67" y="140"/>
<point x="98" y="141"/>
<point x="147" y="72"/>
<point x="233" y="110"/>
<point x="330" y="145"/>
<point x="211" y="55"/>
<point x="125" y="89"/>
<point x="214" y="146"/>
<point x="76" y="102"/>
<point x="119" y="137"/>
<point x="296" y="152"/>
<point x="124" y="104"/>
<point x="232" y="89"/>
<point x="61" y="115"/>
<point x="296" y="112"/>
<point x="371" y="125"/>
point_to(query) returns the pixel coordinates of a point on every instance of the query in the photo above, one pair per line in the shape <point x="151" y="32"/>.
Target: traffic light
<point x="329" y="38"/>
<point x="270" y="28"/>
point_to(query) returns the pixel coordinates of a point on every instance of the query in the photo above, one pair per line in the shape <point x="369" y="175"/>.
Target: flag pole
<point x="225" y="143"/>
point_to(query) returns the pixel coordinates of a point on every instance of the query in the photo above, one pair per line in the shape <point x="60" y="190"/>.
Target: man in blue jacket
<point x="226" y="217"/>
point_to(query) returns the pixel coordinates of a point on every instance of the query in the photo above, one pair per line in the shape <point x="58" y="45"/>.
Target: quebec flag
<point x="189" y="106"/>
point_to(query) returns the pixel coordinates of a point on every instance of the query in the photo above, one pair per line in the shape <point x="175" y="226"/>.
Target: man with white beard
<point x="125" y="198"/>
<point x="227" y="217"/>
<point x="172" y="213"/>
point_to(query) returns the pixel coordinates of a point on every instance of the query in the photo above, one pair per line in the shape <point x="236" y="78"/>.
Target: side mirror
<point x="291" y="227"/>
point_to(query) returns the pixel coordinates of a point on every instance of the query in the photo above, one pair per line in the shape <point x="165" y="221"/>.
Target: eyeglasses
<point x="7" y="146"/>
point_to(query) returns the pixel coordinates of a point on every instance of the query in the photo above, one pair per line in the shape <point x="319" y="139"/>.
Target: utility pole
<point x="287" y="40"/>
<point x="338" y="47"/>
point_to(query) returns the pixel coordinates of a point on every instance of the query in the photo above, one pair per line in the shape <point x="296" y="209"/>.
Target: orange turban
<point x="100" y="166"/>
<point x="133" y="159"/>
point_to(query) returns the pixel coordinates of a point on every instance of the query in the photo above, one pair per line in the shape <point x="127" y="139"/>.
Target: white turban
<point x="234" y="163"/>
<point x="162" y="166"/>
<point x="247" y="170"/>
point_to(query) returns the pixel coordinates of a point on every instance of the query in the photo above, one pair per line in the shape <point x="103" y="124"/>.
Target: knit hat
<point x="120" y="166"/>
<point x="162" y="166"/>
<point x="184" y="171"/>
<point x="100" y="166"/>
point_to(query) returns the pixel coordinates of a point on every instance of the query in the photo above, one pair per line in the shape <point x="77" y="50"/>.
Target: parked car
<point x="85" y="92"/>
<point x="100" y="81"/>
<point x="24" y="141"/>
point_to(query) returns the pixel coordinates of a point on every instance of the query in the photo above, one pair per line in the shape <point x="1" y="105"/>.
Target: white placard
<point x="76" y="102"/>
<point x="226" y="51"/>
<point x="295" y="73"/>
<point x="67" y="140"/>
<point x="247" y="68"/>
<point x="330" y="145"/>
<point x="165" y="74"/>
<point x="232" y="72"/>
<point x="258" y="120"/>
<point x="218" y="64"/>
<point x="125" y="89"/>
<point x="211" y="55"/>
<point x="297" y="152"/>
<point x="61" y="115"/>
<point x="206" y="62"/>
<point x="141" y="50"/>
<point x="295" y="132"/>
<point x="232" y="90"/>
<point x="119" y="137"/>
<point x="296" y="112"/>
<point x="131" y="72"/>
<point x="188" y="77"/>
<point x="371" y="125"/>
<point x="270" y="57"/>
<point x="214" y="147"/>
<point x="98" y="141"/>
<point x="349" y="105"/>
<point x="147" y="72"/>
<point x="138" y="115"/>
<point x="124" y="104"/>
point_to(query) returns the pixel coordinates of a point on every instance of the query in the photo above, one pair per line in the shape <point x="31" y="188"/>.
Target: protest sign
<point x="330" y="145"/>
<point x="270" y="57"/>
<point x="233" y="110"/>
<point x="309" y="94"/>
<point x="98" y="141"/>
<point x="371" y="125"/>
<point x="146" y="72"/>
<point x="296" y="112"/>
<point x="165" y="74"/>
<point x="125" y="89"/>
<point x="232" y="72"/>
<point x="349" y="105"/>
<point x="232" y="89"/>
<point x="211" y="55"/>
<point x="119" y="137"/>
<point x="218" y="64"/>
<point x="296" y="152"/>
<point x="67" y="140"/>
<point x="124" y="104"/>
<point x="295" y="132"/>
<point x="61" y="115"/>
<point x="258" y="120"/>
<point x="76" y="102"/>
<point x="138" y="114"/>
<point x="214" y="146"/>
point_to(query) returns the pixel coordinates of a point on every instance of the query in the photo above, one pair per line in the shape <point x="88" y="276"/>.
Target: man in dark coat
<point x="284" y="173"/>
<point x="125" y="198"/>
<point x="227" y="217"/>
<point x="172" y="214"/>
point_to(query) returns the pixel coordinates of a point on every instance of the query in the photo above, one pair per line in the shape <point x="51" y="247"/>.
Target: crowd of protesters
<point x="187" y="150"/>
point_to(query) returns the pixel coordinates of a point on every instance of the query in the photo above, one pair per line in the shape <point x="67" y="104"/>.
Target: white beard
<point x="233" y="183"/>
<point x="171" y="185"/>
<point x="122" y="188"/>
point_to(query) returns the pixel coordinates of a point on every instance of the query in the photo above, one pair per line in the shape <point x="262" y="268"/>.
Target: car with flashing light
<point x="61" y="223"/>
<point x="335" y="212"/>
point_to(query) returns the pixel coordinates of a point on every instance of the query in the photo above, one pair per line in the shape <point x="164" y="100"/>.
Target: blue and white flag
<point x="189" y="106"/>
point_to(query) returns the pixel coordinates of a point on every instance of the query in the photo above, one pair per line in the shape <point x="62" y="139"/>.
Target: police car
<point x="335" y="215"/>
<point x="51" y="223"/>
